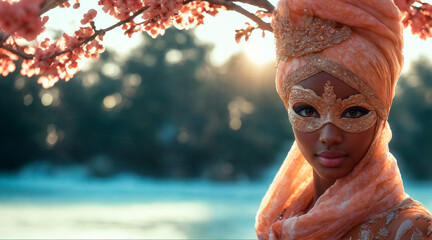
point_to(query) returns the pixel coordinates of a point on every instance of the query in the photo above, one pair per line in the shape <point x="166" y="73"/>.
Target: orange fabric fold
<point x="373" y="51"/>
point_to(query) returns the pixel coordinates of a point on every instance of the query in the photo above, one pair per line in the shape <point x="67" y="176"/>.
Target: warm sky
<point x="218" y="31"/>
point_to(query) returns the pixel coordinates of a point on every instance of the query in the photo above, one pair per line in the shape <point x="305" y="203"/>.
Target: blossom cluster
<point x="52" y="60"/>
<point x="89" y="16"/>
<point x="59" y="59"/>
<point x="244" y="33"/>
<point x="404" y="5"/>
<point x="70" y="52"/>
<point x="182" y="16"/>
<point x="247" y="32"/>
<point x="159" y="14"/>
<point x="420" y="20"/>
<point x="22" y="18"/>
<point x="192" y="14"/>
<point x="121" y="9"/>
<point x="6" y="62"/>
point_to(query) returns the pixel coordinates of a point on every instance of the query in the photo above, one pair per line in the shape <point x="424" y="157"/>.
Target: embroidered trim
<point x="314" y="35"/>
<point x="297" y="76"/>
<point x="417" y="235"/>
<point x="318" y="63"/>
<point x="329" y="110"/>
<point x="392" y="214"/>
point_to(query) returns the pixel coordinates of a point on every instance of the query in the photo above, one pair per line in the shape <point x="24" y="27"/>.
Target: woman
<point x="338" y="63"/>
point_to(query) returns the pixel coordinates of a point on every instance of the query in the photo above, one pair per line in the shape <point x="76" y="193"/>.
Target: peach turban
<point x="359" y="42"/>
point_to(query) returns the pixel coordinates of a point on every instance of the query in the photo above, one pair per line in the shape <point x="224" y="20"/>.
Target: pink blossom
<point x="404" y="5"/>
<point x="59" y="59"/>
<point x="22" y="18"/>
<point x="89" y="16"/>
<point x="420" y="20"/>
<point x="6" y="62"/>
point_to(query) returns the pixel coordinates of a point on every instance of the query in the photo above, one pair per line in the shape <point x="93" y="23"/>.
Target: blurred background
<point x="174" y="137"/>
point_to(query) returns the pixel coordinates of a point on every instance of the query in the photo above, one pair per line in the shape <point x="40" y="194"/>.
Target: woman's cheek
<point x="306" y="142"/>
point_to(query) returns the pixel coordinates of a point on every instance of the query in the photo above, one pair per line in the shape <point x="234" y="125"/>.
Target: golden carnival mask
<point x="309" y="112"/>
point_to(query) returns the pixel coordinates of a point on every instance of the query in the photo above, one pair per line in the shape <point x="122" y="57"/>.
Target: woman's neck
<point x="320" y="186"/>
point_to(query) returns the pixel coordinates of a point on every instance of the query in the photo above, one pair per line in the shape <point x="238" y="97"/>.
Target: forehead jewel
<point x="329" y="96"/>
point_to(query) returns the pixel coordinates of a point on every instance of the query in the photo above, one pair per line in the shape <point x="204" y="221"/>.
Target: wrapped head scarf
<point x="360" y="42"/>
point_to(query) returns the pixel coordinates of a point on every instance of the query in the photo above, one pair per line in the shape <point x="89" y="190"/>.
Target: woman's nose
<point x="330" y="134"/>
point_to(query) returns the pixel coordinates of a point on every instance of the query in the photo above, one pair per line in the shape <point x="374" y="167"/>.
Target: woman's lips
<point x="331" y="158"/>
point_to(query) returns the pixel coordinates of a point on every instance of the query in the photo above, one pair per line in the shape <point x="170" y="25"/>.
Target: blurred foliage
<point x="411" y="120"/>
<point x="164" y="111"/>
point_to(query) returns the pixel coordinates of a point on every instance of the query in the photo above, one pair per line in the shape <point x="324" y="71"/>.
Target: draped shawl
<point x="360" y="42"/>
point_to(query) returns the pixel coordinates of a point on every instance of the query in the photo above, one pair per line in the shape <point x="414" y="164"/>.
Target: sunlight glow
<point x="235" y="124"/>
<point x="257" y="53"/>
<point x="149" y="60"/>
<point x="173" y="56"/>
<point x="50" y="96"/>
<point x="28" y="99"/>
<point x="132" y="80"/>
<point x="19" y="83"/>
<point x="90" y="79"/>
<point x="236" y="107"/>
<point x="109" y="221"/>
<point x="218" y="31"/>
<point x="413" y="81"/>
<point x="111" y="101"/>
<point x="52" y="137"/>
<point x="130" y="84"/>
<point x="111" y="70"/>
<point x="47" y="99"/>
<point x="414" y="47"/>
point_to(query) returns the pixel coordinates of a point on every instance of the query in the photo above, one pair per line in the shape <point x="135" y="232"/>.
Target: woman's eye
<point x="306" y="111"/>
<point x="355" y="112"/>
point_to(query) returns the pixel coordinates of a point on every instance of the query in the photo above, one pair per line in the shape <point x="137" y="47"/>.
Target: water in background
<point x="43" y="202"/>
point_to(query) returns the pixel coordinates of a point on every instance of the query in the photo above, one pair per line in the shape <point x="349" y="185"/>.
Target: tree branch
<point x="258" y="3"/>
<point x="91" y="38"/>
<point x="50" y="4"/>
<point x="19" y="53"/>
<point x="229" y="4"/>
<point x="234" y="7"/>
<point x="99" y="32"/>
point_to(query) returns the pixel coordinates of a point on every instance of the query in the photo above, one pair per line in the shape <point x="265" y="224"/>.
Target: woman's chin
<point x="332" y="173"/>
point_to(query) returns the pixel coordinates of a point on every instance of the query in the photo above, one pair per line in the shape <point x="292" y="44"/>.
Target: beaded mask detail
<point x="317" y="63"/>
<point x="330" y="110"/>
<point x="314" y="35"/>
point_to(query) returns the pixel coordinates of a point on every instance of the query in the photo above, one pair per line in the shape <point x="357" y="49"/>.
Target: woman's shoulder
<point x="408" y="220"/>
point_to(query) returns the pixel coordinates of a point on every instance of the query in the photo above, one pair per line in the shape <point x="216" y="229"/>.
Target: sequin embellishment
<point x="391" y="215"/>
<point x="314" y="35"/>
<point x="330" y="110"/>
<point x="316" y="64"/>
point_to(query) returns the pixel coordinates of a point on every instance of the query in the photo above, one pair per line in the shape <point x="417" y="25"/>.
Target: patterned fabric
<point x="386" y="225"/>
<point x="360" y="42"/>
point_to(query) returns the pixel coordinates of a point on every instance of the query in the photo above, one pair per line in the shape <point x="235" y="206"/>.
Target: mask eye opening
<point x="306" y="110"/>
<point x="355" y="112"/>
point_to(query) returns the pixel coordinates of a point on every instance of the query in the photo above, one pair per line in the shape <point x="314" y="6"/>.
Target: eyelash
<point x="363" y="111"/>
<point x="360" y="111"/>
<point x="302" y="108"/>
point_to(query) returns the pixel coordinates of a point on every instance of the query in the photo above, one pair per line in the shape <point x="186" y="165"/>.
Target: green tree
<point x="410" y="119"/>
<point x="165" y="111"/>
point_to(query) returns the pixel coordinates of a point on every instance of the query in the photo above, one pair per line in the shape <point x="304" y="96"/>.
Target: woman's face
<point x="331" y="151"/>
